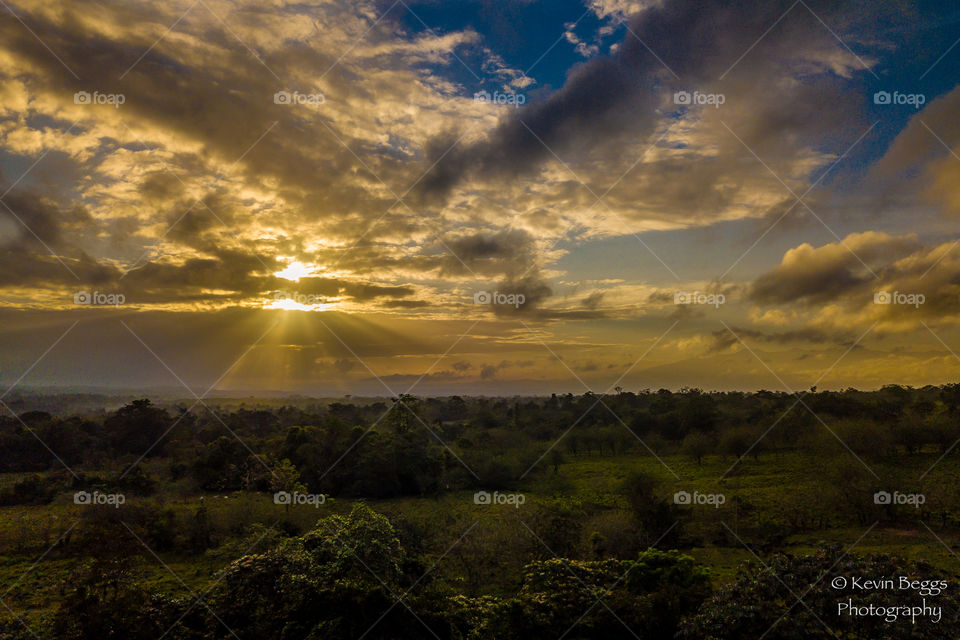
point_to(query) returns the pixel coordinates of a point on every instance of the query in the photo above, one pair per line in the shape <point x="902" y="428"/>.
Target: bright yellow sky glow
<point x="293" y="305"/>
<point x="794" y="233"/>
<point x="294" y="271"/>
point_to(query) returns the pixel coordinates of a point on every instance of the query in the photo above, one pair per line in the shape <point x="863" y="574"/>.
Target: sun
<point x="295" y="270"/>
<point x="293" y="305"/>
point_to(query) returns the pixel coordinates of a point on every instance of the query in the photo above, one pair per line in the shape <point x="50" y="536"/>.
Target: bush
<point x="762" y="601"/>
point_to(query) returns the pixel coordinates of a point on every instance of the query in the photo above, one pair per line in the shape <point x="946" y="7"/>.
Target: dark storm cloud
<point x="38" y="219"/>
<point x="41" y="250"/>
<point x="508" y="253"/>
<point x="534" y="292"/>
<point x="618" y="96"/>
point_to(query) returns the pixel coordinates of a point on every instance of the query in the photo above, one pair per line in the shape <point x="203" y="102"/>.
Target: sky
<point x="496" y="197"/>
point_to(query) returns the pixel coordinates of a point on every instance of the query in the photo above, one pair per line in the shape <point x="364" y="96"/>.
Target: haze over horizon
<point x="492" y="198"/>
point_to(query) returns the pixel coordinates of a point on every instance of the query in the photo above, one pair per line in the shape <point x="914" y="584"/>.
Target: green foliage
<point x="763" y="601"/>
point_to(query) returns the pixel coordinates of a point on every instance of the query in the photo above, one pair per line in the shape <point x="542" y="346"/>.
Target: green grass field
<point x="760" y="493"/>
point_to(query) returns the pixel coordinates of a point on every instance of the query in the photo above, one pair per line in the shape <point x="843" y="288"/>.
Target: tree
<point x="697" y="444"/>
<point x="336" y="582"/>
<point x="762" y="601"/>
<point x="138" y="428"/>
<point x="653" y="514"/>
<point x="645" y="599"/>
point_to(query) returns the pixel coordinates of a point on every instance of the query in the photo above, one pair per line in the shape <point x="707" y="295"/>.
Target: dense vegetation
<point x="398" y="546"/>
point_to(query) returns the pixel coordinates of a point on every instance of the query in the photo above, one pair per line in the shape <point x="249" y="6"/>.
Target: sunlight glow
<point x="294" y="271"/>
<point x="293" y="305"/>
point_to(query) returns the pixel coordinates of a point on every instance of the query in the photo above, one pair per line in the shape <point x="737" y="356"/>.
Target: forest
<point x="649" y="514"/>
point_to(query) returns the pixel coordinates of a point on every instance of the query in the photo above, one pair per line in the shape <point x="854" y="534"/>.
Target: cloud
<point x="827" y="288"/>
<point x="815" y="275"/>
<point x="920" y="161"/>
<point x="780" y="86"/>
